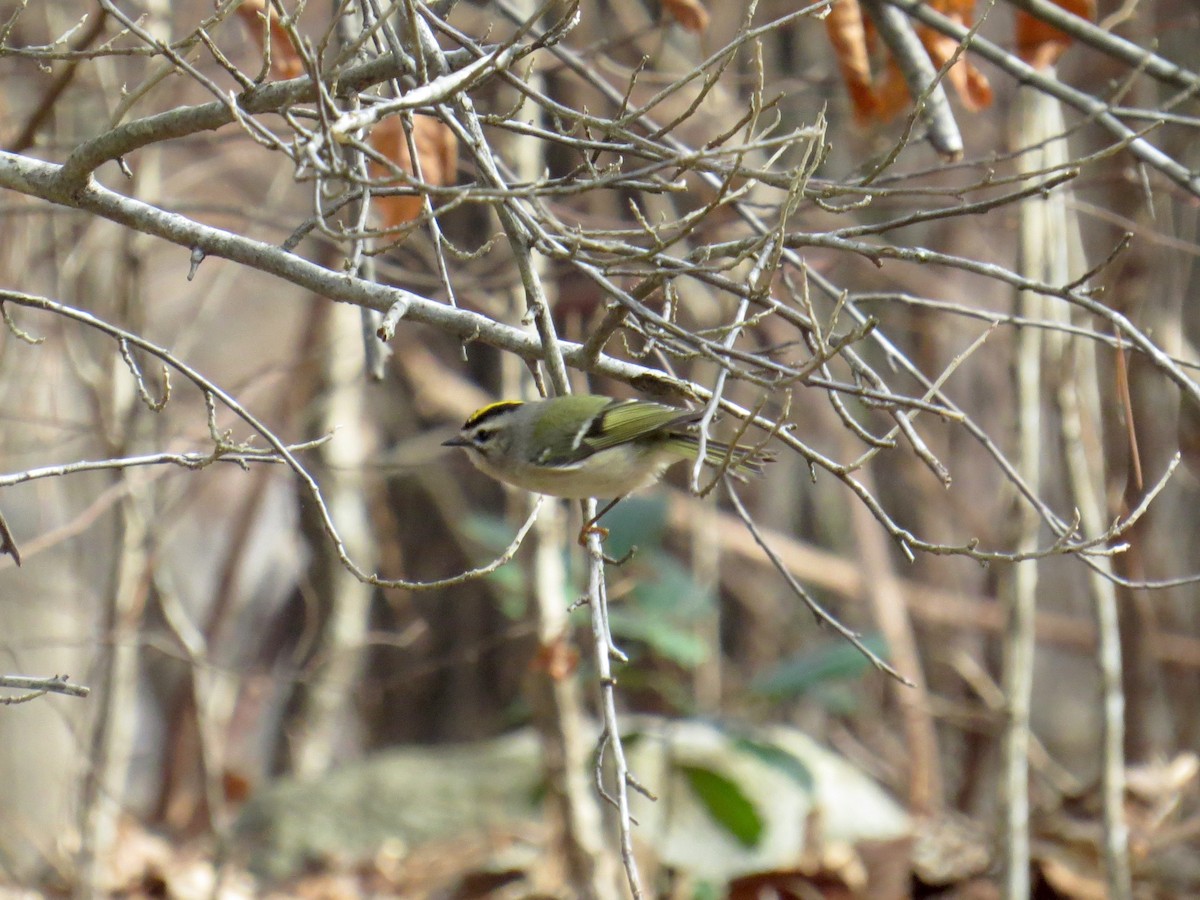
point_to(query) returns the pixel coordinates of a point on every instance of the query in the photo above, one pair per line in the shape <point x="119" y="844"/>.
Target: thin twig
<point x="58" y="684"/>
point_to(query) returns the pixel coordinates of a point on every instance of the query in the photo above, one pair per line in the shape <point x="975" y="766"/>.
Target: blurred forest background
<point x="959" y="322"/>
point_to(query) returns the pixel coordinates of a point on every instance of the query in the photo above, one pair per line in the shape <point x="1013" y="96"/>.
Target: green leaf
<point x="635" y="521"/>
<point x="492" y="533"/>
<point x="510" y="579"/>
<point x="662" y="610"/>
<point x="660" y="635"/>
<point x="631" y="739"/>
<point x="802" y="673"/>
<point x="726" y="803"/>
<point x="667" y="590"/>
<point x="777" y="758"/>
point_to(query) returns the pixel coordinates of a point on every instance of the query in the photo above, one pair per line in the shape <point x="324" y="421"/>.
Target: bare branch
<point x="58" y="684"/>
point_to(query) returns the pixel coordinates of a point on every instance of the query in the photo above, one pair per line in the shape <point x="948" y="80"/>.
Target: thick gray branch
<point x="44" y="181"/>
<point x="1079" y="100"/>
<point x="1111" y="44"/>
<point x="180" y="122"/>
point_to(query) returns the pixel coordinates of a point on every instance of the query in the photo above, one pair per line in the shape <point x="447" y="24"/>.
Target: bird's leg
<point x="590" y="526"/>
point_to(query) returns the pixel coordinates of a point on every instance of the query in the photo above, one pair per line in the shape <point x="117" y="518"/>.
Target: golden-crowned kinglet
<point x="585" y="445"/>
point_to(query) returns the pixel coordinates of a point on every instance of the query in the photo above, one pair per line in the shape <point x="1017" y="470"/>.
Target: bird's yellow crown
<point x="486" y="412"/>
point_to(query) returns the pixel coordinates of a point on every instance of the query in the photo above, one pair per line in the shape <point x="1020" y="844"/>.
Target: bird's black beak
<point x="457" y="441"/>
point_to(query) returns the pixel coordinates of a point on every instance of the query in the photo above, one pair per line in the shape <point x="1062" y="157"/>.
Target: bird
<point x="577" y="446"/>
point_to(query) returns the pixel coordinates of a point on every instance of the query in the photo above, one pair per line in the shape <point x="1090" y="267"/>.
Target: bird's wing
<point x="627" y="420"/>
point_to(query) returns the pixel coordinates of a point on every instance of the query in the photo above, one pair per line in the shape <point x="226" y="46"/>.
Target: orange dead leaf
<point x="437" y="150"/>
<point x="558" y="659"/>
<point x="236" y="787"/>
<point x="968" y="82"/>
<point x="285" y="61"/>
<point x="891" y="93"/>
<point x="851" y="35"/>
<point x="690" y="14"/>
<point x="848" y="35"/>
<point x="959" y="10"/>
<point x="1040" y="44"/>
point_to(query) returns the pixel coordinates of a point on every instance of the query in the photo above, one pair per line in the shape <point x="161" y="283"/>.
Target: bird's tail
<point x="740" y="459"/>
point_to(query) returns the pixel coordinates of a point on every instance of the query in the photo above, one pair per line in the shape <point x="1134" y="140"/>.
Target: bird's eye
<point x="484" y="435"/>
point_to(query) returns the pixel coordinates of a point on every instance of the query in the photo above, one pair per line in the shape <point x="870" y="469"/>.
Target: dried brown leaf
<point x="959" y="10"/>
<point x="891" y="93"/>
<point x="848" y="35"/>
<point x="236" y="786"/>
<point x="285" y="60"/>
<point x="882" y="99"/>
<point x="437" y="149"/>
<point x="1040" y="44"/>
<point x="968" y="82"/>
<point x="689" y="14"/>
<point x="558" y="659"/>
